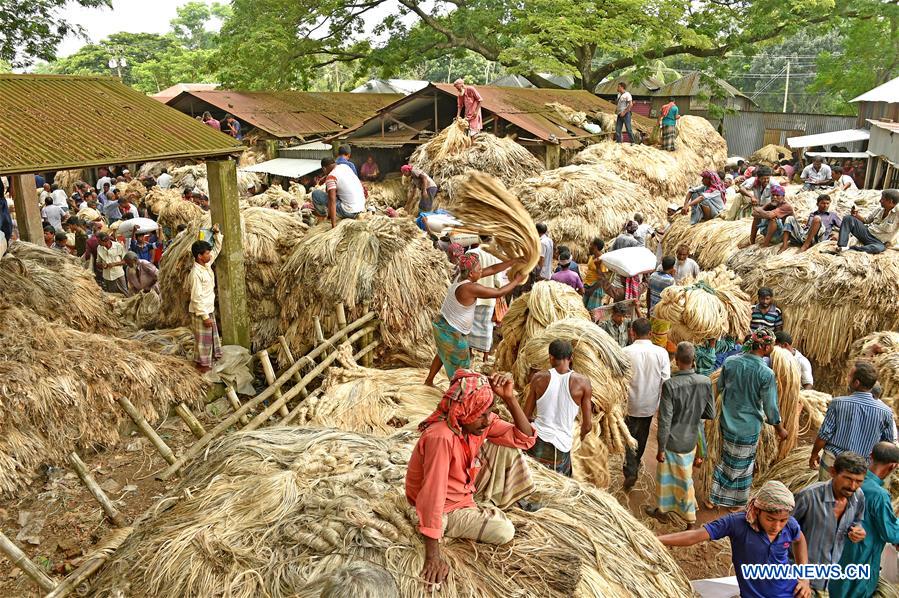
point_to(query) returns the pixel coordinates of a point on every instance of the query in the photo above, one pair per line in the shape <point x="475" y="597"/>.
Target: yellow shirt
<point x="590" y="272"/>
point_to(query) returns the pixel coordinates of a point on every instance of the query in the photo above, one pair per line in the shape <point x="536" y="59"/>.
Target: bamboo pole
<point x="198" y="446"/>
<point x="341" y="314"/>
<point x="285" y="348"/>
<point x="147" y="429"/>
<point x="270" y="410"/>
<point x="21" y="560"/>
<point x="269" y="372"/>
<point x="319" y="333"/>
<point x="94" y="488"/>
<point x="367" y="349"/>
<point x="235" y="404"/>
<point x="75" y="581"/>
<point x="296" y="410"/>
<point x="190" y="419"/>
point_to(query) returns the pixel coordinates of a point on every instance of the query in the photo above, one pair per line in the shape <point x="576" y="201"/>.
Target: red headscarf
<point x="468" y="398"/>
<point x="715" y="183"/>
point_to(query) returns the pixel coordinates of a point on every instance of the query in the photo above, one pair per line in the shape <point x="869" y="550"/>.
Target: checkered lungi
<point x="669" y="134"/>
<point x="207" y="344"/>
<point x="798" y="233"/>
<point x="550" y="457"/>
<point x="481" y="335"/>
<point x="452" y="347"/>
<point x="733" y="473"/>
<point x="675" y="485"/>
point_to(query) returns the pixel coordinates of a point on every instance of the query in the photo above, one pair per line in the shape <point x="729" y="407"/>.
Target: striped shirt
<point x="856" y="423"/>
<point x="773" y="318"/>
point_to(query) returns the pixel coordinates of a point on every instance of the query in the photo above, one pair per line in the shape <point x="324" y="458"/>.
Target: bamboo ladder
<point x="361" y="332"/>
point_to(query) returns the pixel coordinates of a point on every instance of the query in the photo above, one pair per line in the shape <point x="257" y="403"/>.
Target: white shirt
<point x="164" y="181"/>
<point x="805" y="368"/>
<point x="350" y="194"/>
<point x="685" y="269"/>
<point x="650" y="366"/>
<point x="101" y="181"/>
<point x="202" y="284"/>
<point x="556" y="412"/>
<point x="460" y="317"/>
<point x="60" y="198"/>
<point x="642" y="232"/>
<point x="546" y="250"/>
<point x="115" y="253"/>
<point x="491" y="282"/>
<point x="53" y="214"/>
<point x="847" y="180"/>
<point x="810" y="175"/>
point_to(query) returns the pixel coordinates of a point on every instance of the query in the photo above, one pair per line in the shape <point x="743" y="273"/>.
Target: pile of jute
<point x="275" y="512"/>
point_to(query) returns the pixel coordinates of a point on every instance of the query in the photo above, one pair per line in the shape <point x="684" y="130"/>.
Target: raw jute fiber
<point x="66" y="179"/>
<point x="828" y="301"/>
<point x="841" y="202"/>
<point x="709" y="307"/>
<point x="711" y="243"/>
<point x="273" y="512"/>
<point x="165" y="341"/>
<point x="58" y="396"/>
<point x="277" y="198"/>
<point x="485" y="207"/>
<point x="881" y="349"/>
<point x="768" y="155"/>
<point x="268" y="238"/>
<point x="389" y="193"/>
<point x="194" y="177"/>
<point x="580" y="203"/>
<point x="171" y="210"/>
<point x="386" y="265"/>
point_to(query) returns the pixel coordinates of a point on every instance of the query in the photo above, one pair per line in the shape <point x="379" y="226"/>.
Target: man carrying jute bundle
<point x="207" y="344"/>
<point x="449" y="467"/>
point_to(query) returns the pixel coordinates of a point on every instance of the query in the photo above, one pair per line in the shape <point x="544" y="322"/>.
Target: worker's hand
<point x="660" y="456"/>
<point x="435" y="570"/>
<point x="781" y="433"/>
<point x="685" y="210"/>
<point x="215" y="229"/>
<point x="520" y="279"/>
<point x="207" y="323"/>
<point x="814" y="461"/>
<point x="503" y="386"/>
<point x="857" y="533"/>
<point x="697" y="462"/>
<point x="803" y="589"/>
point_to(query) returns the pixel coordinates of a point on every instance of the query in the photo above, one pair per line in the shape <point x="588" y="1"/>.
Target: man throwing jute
<point x="444" y="469"/>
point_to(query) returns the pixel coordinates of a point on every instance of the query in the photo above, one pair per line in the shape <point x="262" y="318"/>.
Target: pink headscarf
<point x="468" y="398"/>
<point x="406" y="169"/>
<point x="455" y="251"/>
<point x="715" y="183"/>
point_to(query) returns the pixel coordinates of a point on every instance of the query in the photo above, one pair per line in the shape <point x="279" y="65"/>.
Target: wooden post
<point x="271" y="149"/>
<point x="436" y="115"/>
<point x="91" y="564"/>
<point x="147" y="429"/>
<point x="229" y="267"/>
<point x="198" y="446"/>
<point x="297" y="376"/>
<point x="553" y="155"/>
<point x="21" y="560"/>
<point x="874" y="182"/>
<point x="28" y="212"/>
<point x="269" y="372"/>
<point x="94" y="488"/>
<point x="190" y="419"/>
<point x="235" y="404"/>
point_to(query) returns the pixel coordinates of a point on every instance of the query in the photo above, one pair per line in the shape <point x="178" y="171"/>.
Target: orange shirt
<point x="443" y="468"/>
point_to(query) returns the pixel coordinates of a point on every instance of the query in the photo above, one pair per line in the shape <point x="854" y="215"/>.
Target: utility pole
<point x="787" y="86"/>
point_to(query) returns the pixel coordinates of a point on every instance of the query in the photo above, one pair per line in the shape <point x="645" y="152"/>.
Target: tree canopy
<point x="31" y="30"/>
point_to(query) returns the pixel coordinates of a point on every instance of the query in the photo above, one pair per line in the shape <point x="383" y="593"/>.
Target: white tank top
<point x="556" y="412"/>
<point x="460" y="317"/>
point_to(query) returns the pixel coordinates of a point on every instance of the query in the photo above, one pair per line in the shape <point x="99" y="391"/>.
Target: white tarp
<point x="832" y="138"/>
<point x="850" y="155"/>
<point x="288" y="167"/>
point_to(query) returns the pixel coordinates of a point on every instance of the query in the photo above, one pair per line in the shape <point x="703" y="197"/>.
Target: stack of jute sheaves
<point x="770" y="450"/>
<point x="769" y="155"/>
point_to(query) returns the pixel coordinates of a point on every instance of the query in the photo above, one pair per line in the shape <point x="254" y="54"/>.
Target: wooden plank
<point x="21" y="560"/>
<point x="269" y="373"/>
<point x="94" y="488"/>
<point x="28" y="212"/>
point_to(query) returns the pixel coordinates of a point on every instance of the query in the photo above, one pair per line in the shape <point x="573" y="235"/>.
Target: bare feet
<point x="203" y="369"/>
<point x="629" y="484"/>
<point x="655" y="513"/>
<point x="764" y="243"/>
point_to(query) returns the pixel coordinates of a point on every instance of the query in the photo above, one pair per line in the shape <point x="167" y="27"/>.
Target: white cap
<point x="674" y="207"/>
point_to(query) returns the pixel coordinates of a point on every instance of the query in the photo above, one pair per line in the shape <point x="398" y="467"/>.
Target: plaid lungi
<point x="798" y="233"/>
<point x="207" y="344"/>
<point x="481" y="336"/>
<point x="593" y="296"/>
<point x="675" y="485"/>
<point x="550" y="457"/>
<point x="732" y="479"/>
<point x="632" y="287"/>
<point x="452" y="347"/>
<point x="669" y="134"/>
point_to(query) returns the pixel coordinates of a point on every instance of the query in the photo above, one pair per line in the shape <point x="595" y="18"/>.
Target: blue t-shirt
<point x="670" y="119"/>
<point x="751" y="547"/>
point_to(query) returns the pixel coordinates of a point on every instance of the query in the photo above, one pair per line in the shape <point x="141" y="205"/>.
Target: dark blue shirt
<point x="751" y="547"/>
<point x="145" y="253"/>
<point x="342" y="160"/>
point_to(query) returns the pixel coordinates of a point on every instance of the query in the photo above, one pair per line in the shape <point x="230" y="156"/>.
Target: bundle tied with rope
<point x="281" y="509"/>
<point x="485" y="207"/>
<point x="710" y="243"/>
<point x="710" y="307"/>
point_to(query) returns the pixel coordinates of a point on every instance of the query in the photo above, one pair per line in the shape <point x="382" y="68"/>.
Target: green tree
<point x="176" y="65"/>
<point x="93" y="59"/>
<point x="32" y="29"/>
<point x="192" y="25"/>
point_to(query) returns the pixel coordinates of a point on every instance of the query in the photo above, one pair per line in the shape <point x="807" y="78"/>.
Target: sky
<point x="133" y="16"/>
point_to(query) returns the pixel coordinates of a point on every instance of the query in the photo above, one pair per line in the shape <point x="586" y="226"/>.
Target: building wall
<point x="884" y="143"/>
<point x="876" y="111"/>
<point x="746" y="132"/>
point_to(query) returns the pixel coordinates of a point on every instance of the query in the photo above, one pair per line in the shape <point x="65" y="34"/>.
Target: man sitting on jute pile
<point x="449" y="467"/>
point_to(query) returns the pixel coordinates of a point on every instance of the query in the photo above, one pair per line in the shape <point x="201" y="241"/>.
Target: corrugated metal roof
<point x="646" y="87"/>
<point x="692" y="84"/>
<point x="888" y="92"/>
<point x="54" y="122"/>
<point x="893" y="127"/>
<point x="169" y="92"/>
<point x="287" y="114"/>
<point x="830" y="138"/>
<point x="290" y="167"/>
<point x="401" y="86"/>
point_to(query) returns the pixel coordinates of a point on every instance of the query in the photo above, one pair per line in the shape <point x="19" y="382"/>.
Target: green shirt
<point x="670" y="119"/>
<point x="749" y="395"/>
<point x="881" y="526"/>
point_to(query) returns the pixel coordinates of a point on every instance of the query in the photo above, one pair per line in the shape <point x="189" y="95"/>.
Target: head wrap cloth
<point x="715" y="183"/>
<point x="469" y="396"/>
<point x="468" y="262"/>
<point x="762" y="337"/>
<point x="772" y="497"/>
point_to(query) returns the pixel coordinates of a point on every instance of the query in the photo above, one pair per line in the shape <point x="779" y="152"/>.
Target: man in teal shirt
<point x="880" y="523"/>
<point x="668" y="117"/>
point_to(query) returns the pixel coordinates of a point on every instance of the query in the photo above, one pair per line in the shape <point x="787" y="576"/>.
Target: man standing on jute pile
<point x="470" y="100"/>
<point x="207" y="344"/>
<point x="443" y="476"/>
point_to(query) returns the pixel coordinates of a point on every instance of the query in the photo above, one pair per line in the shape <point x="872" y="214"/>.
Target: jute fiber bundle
<point x="140" y="310"/>
<point x="277" y="198"/>
<point x="386" y="265"/>
<point x="497" y="156"/>
<point x="709" y="307"/>
<point x="55" y="286"/>
<point x="154" y="168"/>
<point x="789" y="403"/>
<point x="711" y="243"/>
<point x="768" y="155"/>
<point x="274" y="512"/>
<point x="171" y="210"/>
<point x="881" y="349"/>
<point x="194" y="177"/>
<point x="391" y="192"/>
<point x="485" y="207"/>
<point x="268" y="238"/>
<point x="66" y="179"/>
<point x="697" y="135"/>
<point x="548" y="301"/>
<point x="58" y="396"/>
<point x="598" y="357"/>
<point x="134" y="190"/>
<point x="164" y="341"/>
<point x="841" y="202"/>
<point x="570" y="115"/>
<point x="828" y="301"/>
<point x="814" y="405"/>
<point x="580" y="203"/>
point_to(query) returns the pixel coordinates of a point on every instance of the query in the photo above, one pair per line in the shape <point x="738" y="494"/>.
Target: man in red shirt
<point x="470" y="100"/>
<point x="444" y="466"/>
